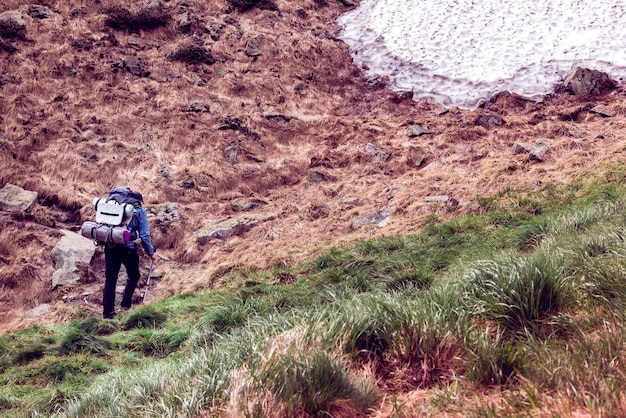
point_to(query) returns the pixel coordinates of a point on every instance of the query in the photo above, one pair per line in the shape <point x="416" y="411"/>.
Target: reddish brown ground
<point x="73" y="124"/>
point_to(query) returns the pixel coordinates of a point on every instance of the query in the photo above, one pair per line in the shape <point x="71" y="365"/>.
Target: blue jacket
<point x="139" y="228"/>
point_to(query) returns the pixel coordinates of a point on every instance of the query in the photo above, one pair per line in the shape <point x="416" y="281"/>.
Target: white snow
<point x="458" y="52"/>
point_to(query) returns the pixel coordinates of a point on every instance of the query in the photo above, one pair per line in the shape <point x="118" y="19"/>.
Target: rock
<point x="231" y="152"/>
<point x="379" y="218"/>
<point x="168" y="213"/>
<point x="489" y="121"/>
<point x="349" y="202"/>
<point x="71" y="253"/>
<point x="375" y="152"/>
<point x="602" y="111"/>
<point x="450" y="202"/>
<point x="184" y="22"/>
<point x="583" y="82"/>
<point x="539" y="151"/>
<point x="12" y="25"/>
<point x="225" y="229"/>
<point x="253" y="47"/>
<point x="245" y="205"/>
<point x="215" y="30"/>
<point x="316" y="176"/>
<point x="418" y="130"/>
<point x="136" y="43"/>
<point x="134" y="65"/>
<point x="197" y="106"/>
<point x="442" y="199"/>
<point x="522" y="148"/>
<point x="15" y="198"/>
<point x="39" y="12"/>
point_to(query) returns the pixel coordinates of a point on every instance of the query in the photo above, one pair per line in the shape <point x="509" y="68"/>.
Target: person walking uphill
<point x="117" y="254"/>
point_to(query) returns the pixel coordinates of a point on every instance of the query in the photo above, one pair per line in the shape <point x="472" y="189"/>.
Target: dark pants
<point x="114" y="257"/>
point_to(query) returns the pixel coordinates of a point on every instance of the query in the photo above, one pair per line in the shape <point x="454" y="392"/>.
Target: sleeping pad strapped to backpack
<point x="112" y="215"/>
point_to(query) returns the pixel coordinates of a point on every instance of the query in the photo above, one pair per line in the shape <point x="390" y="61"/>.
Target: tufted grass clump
<point x="74" y="341"/>
<point x="314" y="384"/>
<point x="156" y="343"/>
<point x="98" y="326"/>
<point x="144" y="317"/>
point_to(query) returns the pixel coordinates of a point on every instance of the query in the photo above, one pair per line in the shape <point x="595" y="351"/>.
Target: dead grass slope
<point x="205" y="104"/>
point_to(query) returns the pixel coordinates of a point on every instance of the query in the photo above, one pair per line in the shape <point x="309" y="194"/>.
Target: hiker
<point x="117" y="254"/>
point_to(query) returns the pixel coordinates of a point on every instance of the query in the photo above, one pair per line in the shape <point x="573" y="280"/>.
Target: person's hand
<point x="154" y="256"/>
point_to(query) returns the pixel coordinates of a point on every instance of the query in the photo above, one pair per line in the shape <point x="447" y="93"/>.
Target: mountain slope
<point x="206" y="105"/>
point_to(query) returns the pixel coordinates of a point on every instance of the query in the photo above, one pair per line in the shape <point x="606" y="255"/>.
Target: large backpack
<point x="112" y="214"/>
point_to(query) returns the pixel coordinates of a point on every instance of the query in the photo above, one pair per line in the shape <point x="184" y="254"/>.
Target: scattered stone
<point x="215" y="30"/>
<point x="349" y="201"/>
<point x="253" y="47"/>
<point x="197" y="106"/>
<point x="246" y="205"/>
<point x="15" y="198"/>
<point x="136" y="43"/>
<point x="489" y="121"/>
<point x="379" y="219"/>
<point x="134" y="65"/>
<point x="442" y="198"/>
<point x="184" y="22"/>
<point x="316" y="176"/>
<point x="539" y="151"/>
<point x="188" y="184"/>
<point x="583" y="82"/>
<point x="71" y="254"/>
<point x="198" y="81"/>
<point x="522" y="148"/>
<point x="225" y="229"/>
<point x="375" y="152"/>
<point x="418" y="130"/>
<point x="450" y="202"/>
<point x="168" y="213"/>
<point x="39" y="12"/>
<point x="231" y="152"/>
<point x="12" y="25"/>
<point x="602" y="111"/>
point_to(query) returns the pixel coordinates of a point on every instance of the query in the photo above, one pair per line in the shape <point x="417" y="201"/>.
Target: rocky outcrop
<point x="583" y="82"/>
<point x="15" y="198"/>
<point x="12" y="25"/>
<point x="227" y="228"/>
<point x="71" y="255"/>
<point x="379" y="219"/>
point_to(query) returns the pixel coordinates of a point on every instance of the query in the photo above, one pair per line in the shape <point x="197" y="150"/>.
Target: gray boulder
<point x="539" y="151"/>
<point x="379" y="219"/>
<point x="15" y="198"/>
<point x="12" y="25"/>
<point x="225" y="229"/>
<point x="583" y="82"/>
<point x="71" y="255"/>
<point x="37" y="11"/>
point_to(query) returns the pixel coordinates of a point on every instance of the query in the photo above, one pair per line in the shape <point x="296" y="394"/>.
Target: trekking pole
<point x="145" y="293"/>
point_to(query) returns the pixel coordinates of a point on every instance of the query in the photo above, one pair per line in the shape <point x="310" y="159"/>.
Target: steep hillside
<point x="242" y="109"/>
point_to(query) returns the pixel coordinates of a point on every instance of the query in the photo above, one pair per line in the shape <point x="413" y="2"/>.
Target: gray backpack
<point x="112" y="215"/>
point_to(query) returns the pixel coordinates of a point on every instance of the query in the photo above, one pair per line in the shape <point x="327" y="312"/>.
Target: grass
<point x="523" y="303"/>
